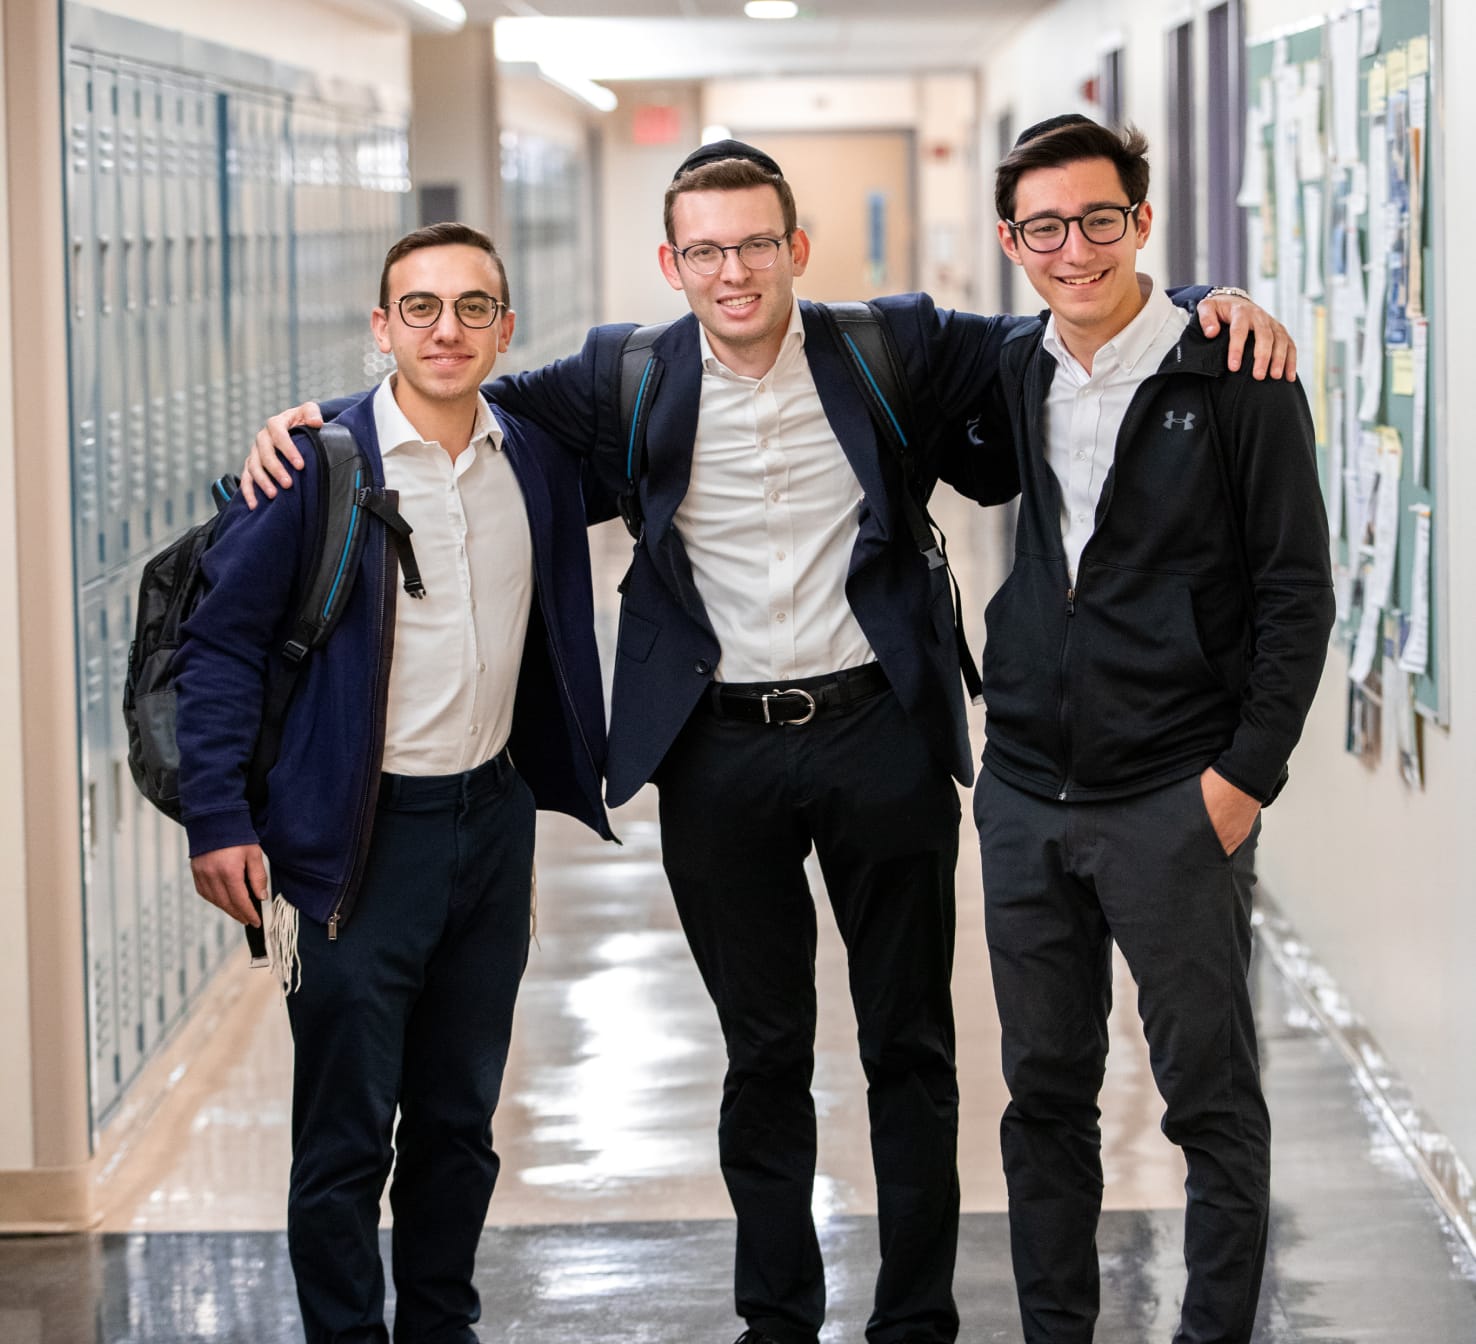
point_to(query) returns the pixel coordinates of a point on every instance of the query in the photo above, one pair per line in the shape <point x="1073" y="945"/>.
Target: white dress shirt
<point x="1084" y="412"/>
<point x="769" y="521"/>
<point x="458" y="649"/>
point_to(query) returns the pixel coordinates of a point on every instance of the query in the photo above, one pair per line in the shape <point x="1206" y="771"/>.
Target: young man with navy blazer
<point x="399" y="816"/>
<point x="787" y="675"/>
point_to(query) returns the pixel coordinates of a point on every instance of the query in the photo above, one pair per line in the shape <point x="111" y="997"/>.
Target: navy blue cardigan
<point x="314" y="823"/>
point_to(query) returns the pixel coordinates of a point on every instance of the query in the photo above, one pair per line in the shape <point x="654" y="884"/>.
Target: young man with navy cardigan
<point x="399" y="816"/>
<point x="786" y="674"/>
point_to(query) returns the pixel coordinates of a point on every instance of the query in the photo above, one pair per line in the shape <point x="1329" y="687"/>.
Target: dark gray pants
<point x="1062" y="882"/>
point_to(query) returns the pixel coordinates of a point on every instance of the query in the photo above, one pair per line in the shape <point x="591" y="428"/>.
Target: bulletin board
<point x="1338" y="199"/>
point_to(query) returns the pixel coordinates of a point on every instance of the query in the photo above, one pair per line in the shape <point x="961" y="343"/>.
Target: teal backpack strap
<point x="872" y="362"/>
<point x="640" y="377"/>
<point x="347" y="497"/>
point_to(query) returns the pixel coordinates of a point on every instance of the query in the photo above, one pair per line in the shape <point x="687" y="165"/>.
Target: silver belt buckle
<point x="793" y="690"/>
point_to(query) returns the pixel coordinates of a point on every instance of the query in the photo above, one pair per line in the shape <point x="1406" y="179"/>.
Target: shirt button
<point x="761" y="387"/>
<point x="1081" y="517"/>
<point x="779" y="555"/>
<point x="1081" y="457"/>
<point x="474" y="730"/>
<point x="763" y="443"/>
<point x="481" y="667"/>
<point x="775" y="497"/>
<point x="780" y="618"/>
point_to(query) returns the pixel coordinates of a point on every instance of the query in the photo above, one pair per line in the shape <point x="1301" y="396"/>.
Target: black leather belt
<point x="796" y="701"/>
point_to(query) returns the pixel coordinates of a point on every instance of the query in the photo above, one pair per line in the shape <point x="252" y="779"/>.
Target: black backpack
<point x="876" y="371"/>
<point x="172" y="586"/>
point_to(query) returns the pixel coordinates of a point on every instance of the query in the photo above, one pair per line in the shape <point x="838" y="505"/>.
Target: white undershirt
<point x="1084" y="412"/>
<point x="770" y="519"/>
<point x="457" y="650"/>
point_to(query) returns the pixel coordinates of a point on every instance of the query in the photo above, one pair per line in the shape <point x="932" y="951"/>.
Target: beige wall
<point x="322" y="37"/>
<point x="16" y="1133"/>
<point x="634" y="181"/>
<point x="454" y="132"/>
<point x="1372" y="875"/>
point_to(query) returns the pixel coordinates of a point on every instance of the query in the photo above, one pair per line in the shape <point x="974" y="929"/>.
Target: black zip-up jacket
<point x="1196" y="630"/>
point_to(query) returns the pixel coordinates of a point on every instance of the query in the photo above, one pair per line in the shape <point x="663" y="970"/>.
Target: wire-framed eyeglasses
<point x="1047" y="233"/>
<point x="758" y="254"/>
<point x="474" y="310"/>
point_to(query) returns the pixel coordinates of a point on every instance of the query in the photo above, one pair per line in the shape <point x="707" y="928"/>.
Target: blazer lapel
<point x="671" y="432"/>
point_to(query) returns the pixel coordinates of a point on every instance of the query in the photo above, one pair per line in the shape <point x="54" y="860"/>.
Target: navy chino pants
<point x="411" y="1007"/>
<point x="741" y="806"/>
<point x="1062" y="883"/>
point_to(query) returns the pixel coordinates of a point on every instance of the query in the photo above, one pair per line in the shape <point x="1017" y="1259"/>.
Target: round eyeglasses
<point x="1047" y="233"/>
<point x="476" y="311"/>
<point x="758" y="254"/>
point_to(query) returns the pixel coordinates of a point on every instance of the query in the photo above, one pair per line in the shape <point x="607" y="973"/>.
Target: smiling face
<point x="441" y="366"/>
<point x="745" y="312"/>
<point x="1092" y="288"/>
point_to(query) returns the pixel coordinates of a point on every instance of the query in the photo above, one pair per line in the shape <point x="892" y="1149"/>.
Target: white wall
<point x="1373" y="876"/>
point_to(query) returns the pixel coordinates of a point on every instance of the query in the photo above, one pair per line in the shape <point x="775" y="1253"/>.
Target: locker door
<point x="83" y="286"/>
<point x="179" y="416"/>
<point x="97" y="861"/>
<point x="133" y="371"/>
<point x="134" y="957"/>
<point x="158" y="354"/>
<point x="112" y="336"/>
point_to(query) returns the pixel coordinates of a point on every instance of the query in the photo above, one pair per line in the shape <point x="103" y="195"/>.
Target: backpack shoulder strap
<point x="872" y="362"/>
<point x="640" y="377"/>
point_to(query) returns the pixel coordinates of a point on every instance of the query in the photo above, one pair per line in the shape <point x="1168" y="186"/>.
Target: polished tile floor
<point x="610" y="1221"/>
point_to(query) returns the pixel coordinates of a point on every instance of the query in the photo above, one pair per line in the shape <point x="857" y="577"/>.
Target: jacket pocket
<point x="637" y="635"/>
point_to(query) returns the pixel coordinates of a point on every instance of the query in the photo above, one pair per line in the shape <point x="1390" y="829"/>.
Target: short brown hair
<point x="441" y="235"/>
<point x="729" y="175"/>
<point x="1127" y="149"/>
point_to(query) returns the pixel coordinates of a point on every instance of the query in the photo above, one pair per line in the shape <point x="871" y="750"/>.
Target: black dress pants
<point x="741" y="807"/>
<point x="1062" y="882"/>
<point x="412" y="1006"/>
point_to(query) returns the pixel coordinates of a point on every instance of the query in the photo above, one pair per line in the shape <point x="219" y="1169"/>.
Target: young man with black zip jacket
<point x="1148" y="666"/>
<point x="399" y="816"/>
<point x="787" y="675"/>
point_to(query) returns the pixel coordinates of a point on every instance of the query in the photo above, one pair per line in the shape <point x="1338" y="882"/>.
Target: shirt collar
<point x="1127" y="348"/>
<point x="794" y="340"/>
<point x="395" y="430"/>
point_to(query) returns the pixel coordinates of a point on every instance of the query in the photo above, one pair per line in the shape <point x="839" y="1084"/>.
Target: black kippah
<point x="727" y="149"/>
<point x="1052" y="124"/>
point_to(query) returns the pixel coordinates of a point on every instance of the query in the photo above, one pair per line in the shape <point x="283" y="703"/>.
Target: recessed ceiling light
<point x="771" y="9"/>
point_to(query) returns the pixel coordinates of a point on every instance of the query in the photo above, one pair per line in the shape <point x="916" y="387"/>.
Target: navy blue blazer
<point x="320" y="794"/>
<point x="667" y="651"/>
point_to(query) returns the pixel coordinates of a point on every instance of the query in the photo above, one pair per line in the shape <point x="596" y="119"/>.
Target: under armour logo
<point x="1185" y="422"/>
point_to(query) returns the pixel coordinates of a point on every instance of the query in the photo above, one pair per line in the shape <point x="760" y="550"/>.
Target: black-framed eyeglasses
<point x="475" y="310"/>
<point x="758" y="254"/>
<point x="1047" y="233"/>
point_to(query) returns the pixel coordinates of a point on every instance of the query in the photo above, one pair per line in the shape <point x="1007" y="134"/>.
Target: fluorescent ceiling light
<point x="449" y="11"/>
<point x="771" y="9"/>
<point x="596" y="95"/>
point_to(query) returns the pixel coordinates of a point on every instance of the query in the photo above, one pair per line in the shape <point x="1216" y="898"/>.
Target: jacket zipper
<point x="364" y="832"/>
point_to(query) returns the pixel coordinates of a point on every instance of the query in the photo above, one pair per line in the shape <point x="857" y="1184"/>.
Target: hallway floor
<point x="610" y="1220"/>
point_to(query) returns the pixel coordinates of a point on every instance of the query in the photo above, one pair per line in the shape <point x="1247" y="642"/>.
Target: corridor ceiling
<point x="672" y="39"/>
